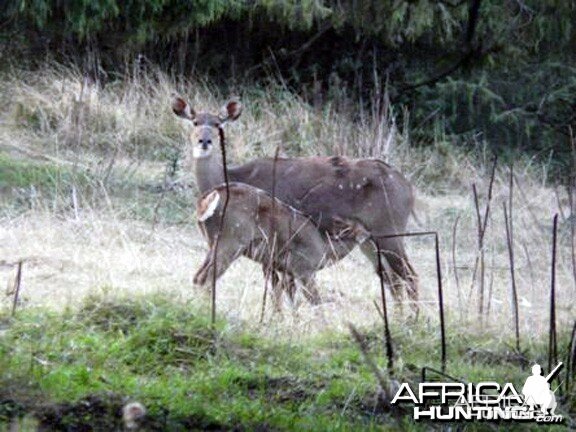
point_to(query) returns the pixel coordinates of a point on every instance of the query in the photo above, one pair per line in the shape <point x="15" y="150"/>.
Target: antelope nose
<point x="204" y="143"/>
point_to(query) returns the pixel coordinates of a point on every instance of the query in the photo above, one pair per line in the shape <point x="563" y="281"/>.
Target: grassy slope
<point x="165" y="355"/>
<point x="299" y="371"/>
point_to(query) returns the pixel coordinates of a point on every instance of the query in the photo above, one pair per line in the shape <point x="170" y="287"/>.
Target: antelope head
<point x="207" y="127"/>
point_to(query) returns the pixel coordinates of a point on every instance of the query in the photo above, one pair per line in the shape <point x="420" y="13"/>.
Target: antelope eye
<point x="195" y="123"/>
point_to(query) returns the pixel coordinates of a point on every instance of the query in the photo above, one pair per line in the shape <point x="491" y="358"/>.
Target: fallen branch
<point x="361" y="341"/>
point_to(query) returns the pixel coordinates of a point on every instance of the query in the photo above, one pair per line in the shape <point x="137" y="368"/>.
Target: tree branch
<point x="469" y="50"/>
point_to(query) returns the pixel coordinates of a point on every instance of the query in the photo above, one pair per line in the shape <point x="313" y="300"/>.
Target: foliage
<point x="504" y="70"/>
<point x="139" y="20"/>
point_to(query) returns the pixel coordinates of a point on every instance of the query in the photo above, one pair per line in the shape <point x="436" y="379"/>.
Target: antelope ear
<point x="207" y="206"/>
<point x="231" y="111"/>
<point x="182" y="109"/>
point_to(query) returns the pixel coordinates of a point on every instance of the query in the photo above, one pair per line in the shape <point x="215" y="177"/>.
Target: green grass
<point x="27" y="184"/>
<point x="190" y="375"/>
<point x="19" y="173"/>
<point x="171" y="359"/>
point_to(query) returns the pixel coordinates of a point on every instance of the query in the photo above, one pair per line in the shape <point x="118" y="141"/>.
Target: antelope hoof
<point x="199" y="279"/>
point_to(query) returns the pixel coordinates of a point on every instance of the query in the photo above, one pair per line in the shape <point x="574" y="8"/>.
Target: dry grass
<point x="124" y="134"/>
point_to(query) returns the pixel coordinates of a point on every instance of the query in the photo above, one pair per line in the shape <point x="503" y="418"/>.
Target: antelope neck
<point x="209" y="169"/>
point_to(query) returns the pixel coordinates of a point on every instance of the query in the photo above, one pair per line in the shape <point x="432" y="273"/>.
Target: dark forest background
<point x="501" y="72"/>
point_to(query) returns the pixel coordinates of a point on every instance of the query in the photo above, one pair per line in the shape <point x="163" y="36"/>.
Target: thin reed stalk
<point x="17" y="285"/>
<point x="510" y="244"/>
<point x="440" y="302"/>
<point x="387" y="336"/>
<point x="479" y="258"/>
<point x="454" y="265"/>
<point x="490" y="288"/>
<point x="572" y="200"/>
<point x="571" y="188"/>
<point x="571" y="359"/>
<point x="267" y="277"/>
<point x="439" y="282"/>
<point x="270" y="273"/>
<point x="482" y="223"/>
<point x="224" y="208"/>
<point x="552" y="341"/>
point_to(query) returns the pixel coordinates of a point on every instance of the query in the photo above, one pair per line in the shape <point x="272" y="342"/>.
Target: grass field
<point x="94" y="201"/>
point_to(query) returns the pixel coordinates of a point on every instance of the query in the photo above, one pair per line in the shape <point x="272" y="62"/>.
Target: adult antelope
<point x="272" y="233"/>
<point x="328" y="189"/>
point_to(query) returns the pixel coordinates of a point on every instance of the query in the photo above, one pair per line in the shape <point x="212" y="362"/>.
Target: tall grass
<point x="61" y="112"/>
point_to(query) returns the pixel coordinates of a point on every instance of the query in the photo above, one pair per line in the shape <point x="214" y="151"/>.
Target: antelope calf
<point x="272" y="233"/>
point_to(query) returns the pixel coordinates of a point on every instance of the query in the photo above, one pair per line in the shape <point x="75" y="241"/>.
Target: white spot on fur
<point x="340" y="187"/>
<point x="208" y="206"/>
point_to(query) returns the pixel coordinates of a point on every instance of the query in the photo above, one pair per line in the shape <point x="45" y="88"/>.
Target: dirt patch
<point x="90" y="413"/>
<point x="280" y="389"/>
<point x="10" y="408"/>
<point x="103" y="413"/>
<point x="111" y="316"/>
<point x="484" y="356"/>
